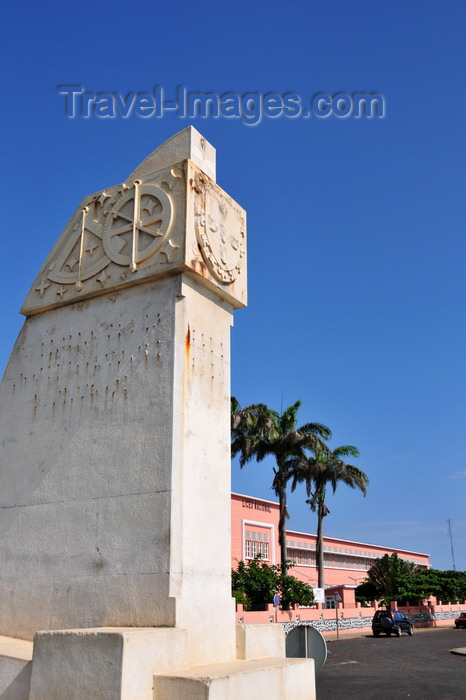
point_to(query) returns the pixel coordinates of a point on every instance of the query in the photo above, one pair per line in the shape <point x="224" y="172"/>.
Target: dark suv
<point x="391" y="622"/>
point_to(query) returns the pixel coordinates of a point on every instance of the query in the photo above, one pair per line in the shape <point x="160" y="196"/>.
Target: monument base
<point x="118" y="663"/>
<point x="106" y="663"/>
<point x="15" y="668"/>
<point x="261" y="679"/>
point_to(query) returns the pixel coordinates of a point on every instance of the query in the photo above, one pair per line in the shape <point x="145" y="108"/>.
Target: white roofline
<point x="365" y="544"/>
<point x="254" y="498"/>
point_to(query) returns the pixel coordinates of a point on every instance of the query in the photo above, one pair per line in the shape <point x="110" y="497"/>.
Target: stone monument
<point x="115" y="458"/>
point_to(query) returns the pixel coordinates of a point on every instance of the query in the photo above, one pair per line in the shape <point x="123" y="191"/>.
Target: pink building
<point x="254" y="530"/>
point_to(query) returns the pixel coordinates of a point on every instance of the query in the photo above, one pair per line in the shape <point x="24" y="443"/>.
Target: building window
<point x="263" y="549"/>
<point x="256" y="544"/>
<point x="303" y="557"/>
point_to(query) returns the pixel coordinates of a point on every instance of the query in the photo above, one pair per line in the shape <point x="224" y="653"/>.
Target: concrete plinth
<point x="262" y="679"/>
<point x="153" y="664"/>
<point x="15" y="668"/>
<point x="259" y="641"/>
<point x="104" y="664"/>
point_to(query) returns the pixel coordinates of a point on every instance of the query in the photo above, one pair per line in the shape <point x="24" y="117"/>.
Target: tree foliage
<point x="388" y="572"/>
<point x="446" y="586"/>
<point x="392" y="578"/>
<point x="254" y="584"/>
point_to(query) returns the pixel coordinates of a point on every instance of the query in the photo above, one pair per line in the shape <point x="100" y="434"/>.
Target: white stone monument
<point x="115" y="457"/>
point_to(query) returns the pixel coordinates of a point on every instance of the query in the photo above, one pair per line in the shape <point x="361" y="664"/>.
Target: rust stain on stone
<point x="199" y="266"/>
<point x="187" y="342"/>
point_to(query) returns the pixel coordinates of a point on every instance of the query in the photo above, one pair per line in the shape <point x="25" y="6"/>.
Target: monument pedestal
<point x="262" y="679"/>
<point x="107" y="663"/>
<point x="152" y="664"/>
<point x="15" y="668"/>
<point x="149" y="664"/>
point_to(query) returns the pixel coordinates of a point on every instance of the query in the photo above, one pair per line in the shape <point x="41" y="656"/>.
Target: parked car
<point x="391" y="622"/>
<point x="460" y="620"/>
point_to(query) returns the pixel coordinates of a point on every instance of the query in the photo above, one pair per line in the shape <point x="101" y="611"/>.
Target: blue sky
<point x="355" y="226"/>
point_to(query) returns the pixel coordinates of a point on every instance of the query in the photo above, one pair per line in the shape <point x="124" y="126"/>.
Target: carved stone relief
<point x="114" y="235"/>
<point x="131" y="232"/>
<point x="220" y="231"/>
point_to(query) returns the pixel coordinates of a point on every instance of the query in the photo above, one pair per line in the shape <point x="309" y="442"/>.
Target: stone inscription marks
<point x="93" y="368"/>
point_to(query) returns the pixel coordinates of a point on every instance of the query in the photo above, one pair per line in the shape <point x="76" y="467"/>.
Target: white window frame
<point x="267" y="526"/>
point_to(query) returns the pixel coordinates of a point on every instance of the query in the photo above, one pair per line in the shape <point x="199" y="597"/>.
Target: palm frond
<point x="287" y="420"/>
<point x="316" y="429"/>
<point x="344" y="451"/>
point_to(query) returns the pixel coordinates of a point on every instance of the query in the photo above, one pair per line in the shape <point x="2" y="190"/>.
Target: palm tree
<point x="257" y="417"/>
<point x="324" y="467"/>
<point x="258" y="431"/>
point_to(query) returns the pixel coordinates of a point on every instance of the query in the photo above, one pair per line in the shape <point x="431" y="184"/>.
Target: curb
<point x="461" y="651"/>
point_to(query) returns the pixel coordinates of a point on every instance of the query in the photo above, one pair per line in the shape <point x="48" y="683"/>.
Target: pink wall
<point x="258" y="516"/>
<point x="352" y="619"/>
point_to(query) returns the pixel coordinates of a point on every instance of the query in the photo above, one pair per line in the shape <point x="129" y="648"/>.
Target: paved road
<point x="388" y="668"/>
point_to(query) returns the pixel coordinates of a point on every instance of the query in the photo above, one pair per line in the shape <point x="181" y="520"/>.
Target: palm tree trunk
<point x="282" y="531"/>
<point x="282" y="536"/>
<point x="320" y="546"/>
